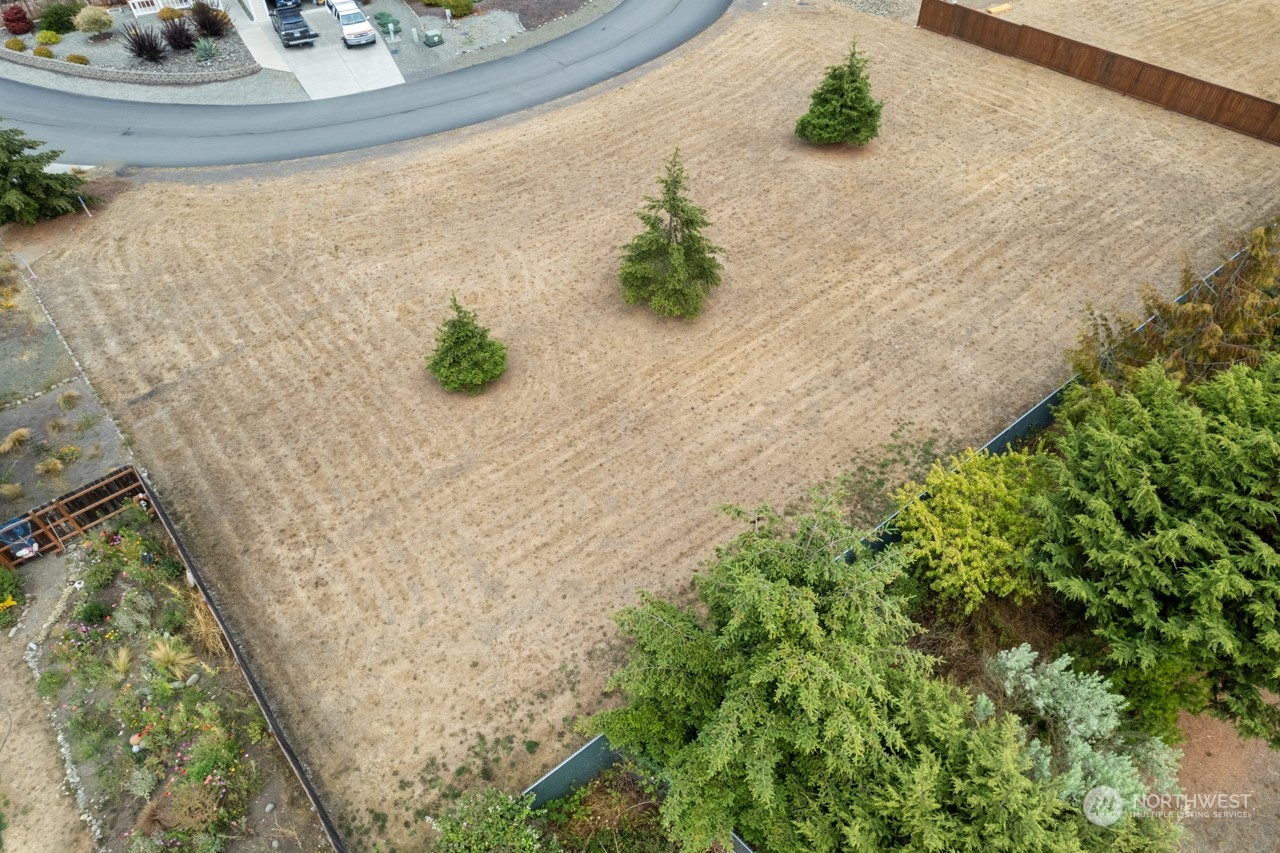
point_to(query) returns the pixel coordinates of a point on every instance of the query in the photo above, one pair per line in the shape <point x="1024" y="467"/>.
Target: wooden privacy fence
<point x="1189" y="96"/>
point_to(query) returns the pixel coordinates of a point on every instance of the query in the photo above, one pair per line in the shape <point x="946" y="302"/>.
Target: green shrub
<point x="171" y="620"/>
<point x="970" y="539"/>
<point x="464" y="358"/>
<point x="93" y="20"/>
<point x="100" y="574"/>
<point x="487" y="820"/>
<point x="1161" y="531"/>
<point x="51" y="681"/>
<point x="93" y="612"/>
<point x="77" y="59"/>
<point x="171" y="568"/>
<point x="48" y="37"/>
<point x="60" y="17"/>
<point x="459" y="8"/>
<point x="16" y="44"/>
<point x="42" y="52"/>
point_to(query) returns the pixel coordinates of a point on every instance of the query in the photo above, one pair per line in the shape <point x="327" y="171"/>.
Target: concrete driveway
<point x="327" y="69"/>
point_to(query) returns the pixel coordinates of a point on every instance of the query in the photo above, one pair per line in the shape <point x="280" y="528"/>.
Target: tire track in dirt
<point x="410" y="568"/>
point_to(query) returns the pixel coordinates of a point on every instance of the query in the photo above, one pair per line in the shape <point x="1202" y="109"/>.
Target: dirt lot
<point x="1230" y="43"/>
<point x="412" y="569"/>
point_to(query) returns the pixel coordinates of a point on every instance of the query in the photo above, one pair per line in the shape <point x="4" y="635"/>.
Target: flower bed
<point x="165" y="746"/>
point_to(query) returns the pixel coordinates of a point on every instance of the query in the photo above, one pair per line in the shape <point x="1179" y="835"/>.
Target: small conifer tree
<point x="670" y="266"/>
<point x="841" y="109"/>
<point x="464" y="358"/>
<point x="28" y="193"/>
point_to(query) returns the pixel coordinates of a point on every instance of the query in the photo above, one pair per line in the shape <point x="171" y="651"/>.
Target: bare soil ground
<point x="42" y="817"/>
<point x="412" y="569"/>
<point x="1230" y="43"/>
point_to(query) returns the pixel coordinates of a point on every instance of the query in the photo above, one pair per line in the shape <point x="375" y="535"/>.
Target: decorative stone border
<point x="121" y="75"/>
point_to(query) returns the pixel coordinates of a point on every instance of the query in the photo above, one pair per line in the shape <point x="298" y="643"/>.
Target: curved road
<point x="100" y="130"/>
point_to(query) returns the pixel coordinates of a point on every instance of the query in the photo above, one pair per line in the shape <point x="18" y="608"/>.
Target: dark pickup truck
<point x="287" y="18"/>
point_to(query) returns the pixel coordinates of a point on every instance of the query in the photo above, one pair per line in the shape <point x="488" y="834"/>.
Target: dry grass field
<point x="411" y="569"/>
<point x="1229" y="42"/>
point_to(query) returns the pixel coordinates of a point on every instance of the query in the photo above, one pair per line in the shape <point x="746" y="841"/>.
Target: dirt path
<point x="42" y="817"/>
<point x="412" y="569"/>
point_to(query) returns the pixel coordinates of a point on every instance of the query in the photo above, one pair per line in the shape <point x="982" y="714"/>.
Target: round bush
<point x="168" y="13"/>
<point x="60" y="17"/>
<point x="48" y="37"/>
<point x="93" y="19"/>
<point x="93" y="612"/>
<point x="16" y="44"/>
<point x="42" y="52"/>
<point x="15" y="19"/>
<point x="459" y="8"/>
<point x="77" y="59"/>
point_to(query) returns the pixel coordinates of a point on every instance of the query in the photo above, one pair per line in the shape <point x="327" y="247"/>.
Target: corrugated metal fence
<point x="1252" y="116"/>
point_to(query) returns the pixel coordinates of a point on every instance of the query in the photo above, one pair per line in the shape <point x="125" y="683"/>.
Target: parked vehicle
<point x="16" y="533"/>
<point x="356" y="28"/>
<point x="292" y="28"/>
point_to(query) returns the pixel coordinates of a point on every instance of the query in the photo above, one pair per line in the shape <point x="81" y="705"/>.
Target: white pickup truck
<point x="356" y="28"/>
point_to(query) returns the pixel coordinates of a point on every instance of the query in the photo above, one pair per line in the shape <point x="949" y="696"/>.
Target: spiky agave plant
<point x="206" y="49"/>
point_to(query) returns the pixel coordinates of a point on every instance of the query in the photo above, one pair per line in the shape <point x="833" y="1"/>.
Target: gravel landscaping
<point x="111" y="52"/>
<point x="498" y="28"/>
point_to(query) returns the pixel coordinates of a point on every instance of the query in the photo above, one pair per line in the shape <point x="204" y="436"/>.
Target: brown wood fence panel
<point x="987" y="30"/>
<point x="1172" y="90"/>
<point x="937" y="16"/>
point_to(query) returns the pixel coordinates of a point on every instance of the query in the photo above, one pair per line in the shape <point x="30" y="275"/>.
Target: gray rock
<point x="270" y="808"/>
<point x="176" y="684"/>
<point x="191" y="682"/>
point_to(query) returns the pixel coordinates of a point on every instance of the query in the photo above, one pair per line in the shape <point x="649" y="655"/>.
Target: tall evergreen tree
<point x="28" y="193"/>
<point x="841" y="109"/>
<point x="670" y="266"/>
<point x="788" y="707"/>
<point x="465" y="359"/>
<point x="1165" y="526"/>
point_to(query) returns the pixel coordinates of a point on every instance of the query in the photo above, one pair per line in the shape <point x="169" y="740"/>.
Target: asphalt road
<point x="100" y="130"/>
